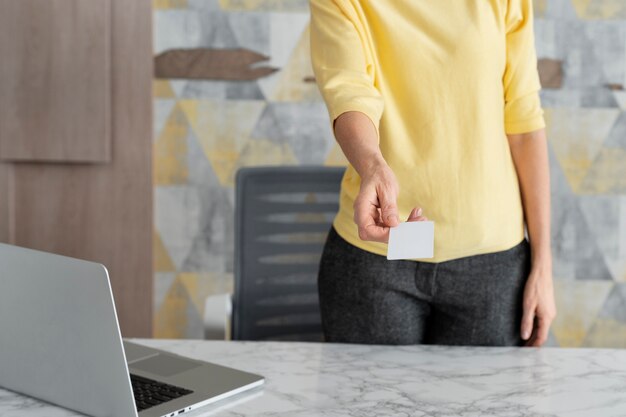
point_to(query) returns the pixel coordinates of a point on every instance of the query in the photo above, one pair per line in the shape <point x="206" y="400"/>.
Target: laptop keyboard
<point x="149" y="392"/>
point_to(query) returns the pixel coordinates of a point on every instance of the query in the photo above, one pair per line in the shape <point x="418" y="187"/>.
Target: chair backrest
<point x="282" y="218"/>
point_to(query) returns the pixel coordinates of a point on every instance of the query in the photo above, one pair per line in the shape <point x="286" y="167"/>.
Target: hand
<point x="375" y="208"/>
<point x="539" y="306"/>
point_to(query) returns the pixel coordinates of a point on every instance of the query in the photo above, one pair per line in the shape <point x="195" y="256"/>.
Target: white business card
<point x="411" y="240"/>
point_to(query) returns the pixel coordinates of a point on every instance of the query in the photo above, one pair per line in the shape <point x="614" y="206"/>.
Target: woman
<point x="436" y="107"/>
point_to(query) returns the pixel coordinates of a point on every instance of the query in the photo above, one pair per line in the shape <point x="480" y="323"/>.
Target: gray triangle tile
<point x="204" y="89"/>
<point x="201" y="172"/>
<point x="590" y="263"/>
<point x="561" y="10"/>
<point x="212" y="242"/>
<point x="599" y="96"/>
<point x="244" y="90"/>
<point x="252" y="31"/>
<point x="268" y="126"/>
<point x="602" y="213"/>
<point x="195" y="324"/>
<point x="615" y="305"/>
<point x="215" y="30"/>
<point x="563" y="238"/>
<point x="581" y="65"/>
<point x="303" y="126"/>
<point x="553" y="98"/>
<point x="176" y="217"/>
<point x="558" y="182"/>
<point x="617" y="135"/>
<point x="213" y="5"/>
<point x="211" y="247"/>
<point x="575" y="252"/>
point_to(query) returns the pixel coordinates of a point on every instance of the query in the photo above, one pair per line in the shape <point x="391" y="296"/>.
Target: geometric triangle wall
<point x="206" y="129"/>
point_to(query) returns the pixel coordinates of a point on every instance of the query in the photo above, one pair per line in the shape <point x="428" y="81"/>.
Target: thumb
<point x="416" y="215"/>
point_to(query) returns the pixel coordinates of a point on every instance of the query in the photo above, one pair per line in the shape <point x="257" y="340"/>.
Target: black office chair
<point x="282" y="217"/>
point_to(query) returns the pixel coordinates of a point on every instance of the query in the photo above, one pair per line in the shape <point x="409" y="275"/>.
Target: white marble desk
<point x="355" y="380"/>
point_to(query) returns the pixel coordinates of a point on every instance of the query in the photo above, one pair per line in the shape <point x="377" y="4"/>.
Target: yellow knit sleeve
<point x="339" y="56"/>
<point x="522" y="108"/>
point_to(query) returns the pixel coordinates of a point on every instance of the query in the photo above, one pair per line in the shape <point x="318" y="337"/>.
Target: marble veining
<point x="311" y="379"/>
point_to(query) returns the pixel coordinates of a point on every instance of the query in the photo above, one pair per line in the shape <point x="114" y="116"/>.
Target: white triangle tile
<point x="620" y="98"/>
<point x="178" y="86"/>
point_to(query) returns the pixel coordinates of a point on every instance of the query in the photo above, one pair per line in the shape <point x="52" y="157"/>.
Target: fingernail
<point x="419" y="211"/>
<point x="525" y="335"/>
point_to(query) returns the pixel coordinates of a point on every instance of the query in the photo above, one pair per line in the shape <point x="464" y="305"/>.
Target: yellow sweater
<point x="443" y="81"/>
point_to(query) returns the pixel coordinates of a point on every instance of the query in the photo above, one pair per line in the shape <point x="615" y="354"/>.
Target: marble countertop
<point x="310" y="379"/>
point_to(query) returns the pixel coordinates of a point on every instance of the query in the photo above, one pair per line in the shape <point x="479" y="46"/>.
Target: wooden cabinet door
<point x="76" y="139"/>
<point x="55" y="87"/>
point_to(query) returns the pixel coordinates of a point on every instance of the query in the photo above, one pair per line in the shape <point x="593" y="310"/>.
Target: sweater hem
<point x="374" y="247"/>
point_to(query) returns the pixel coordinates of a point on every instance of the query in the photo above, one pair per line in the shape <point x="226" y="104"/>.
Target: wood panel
<point x="55" y="80"/>
<point x="103" y="212"/>
<point x="6" y="199"/>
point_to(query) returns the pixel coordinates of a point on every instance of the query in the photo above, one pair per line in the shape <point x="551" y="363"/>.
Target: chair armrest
<point x="217" y="315"/>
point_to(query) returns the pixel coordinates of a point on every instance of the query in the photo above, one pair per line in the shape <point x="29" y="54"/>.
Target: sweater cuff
<point x="524" y="114"/>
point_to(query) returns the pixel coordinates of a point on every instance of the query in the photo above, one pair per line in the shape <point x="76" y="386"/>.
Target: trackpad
<point x="164" y="365"/>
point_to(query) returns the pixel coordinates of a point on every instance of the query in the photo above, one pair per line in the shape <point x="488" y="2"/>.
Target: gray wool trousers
<point x="475" y="300"/>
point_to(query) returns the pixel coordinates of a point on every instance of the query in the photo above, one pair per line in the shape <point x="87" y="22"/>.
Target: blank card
<point x="411" y="240"/>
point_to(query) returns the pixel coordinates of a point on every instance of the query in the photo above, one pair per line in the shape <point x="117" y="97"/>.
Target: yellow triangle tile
<point x="170" y="151"/>
<point x="578" y="303"/>
<point x="336" y="157"/>
<point x="296" y="79"/>
<point x="539" y="7"/>
<point x="581" y="7"/>
<point x="200" y="285"/>
<point x="191" y="283"/>
<point x="190" y="108"/>
<point x="600" y="9"/>
<point x="162" y="89"/>
<point x="169" y="4"/>
<point x="162" y="260"/>
<point x="576" y="135"/>
<point x="608" y="173"/>
<point x="606" y="333"/>
<point x="610" y="9"/>
<point x="223" y="129"/>
<point x="171" y="319"/>
<point x="264" y="152"/>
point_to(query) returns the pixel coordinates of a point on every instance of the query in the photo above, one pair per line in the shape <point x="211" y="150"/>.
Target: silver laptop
<point x="60" y="342"/>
